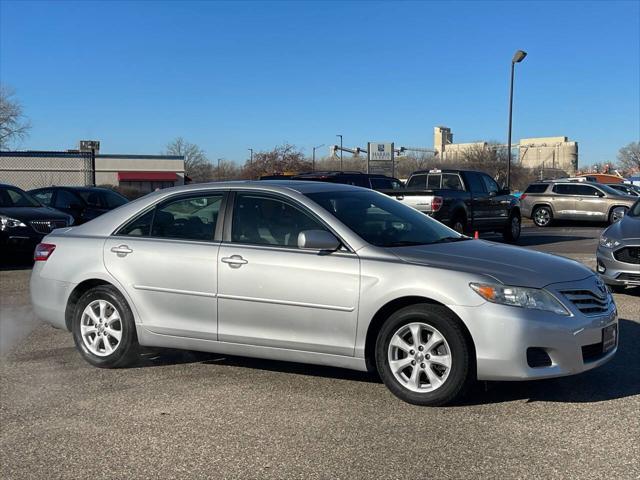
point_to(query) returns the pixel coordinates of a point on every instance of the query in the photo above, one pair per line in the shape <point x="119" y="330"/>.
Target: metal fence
<point x="29" y="170"/>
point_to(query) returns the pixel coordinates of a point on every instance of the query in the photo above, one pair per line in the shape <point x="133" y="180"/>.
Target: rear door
<point x="564" y="202"/>
<point x="480" y="210"/>
<point x="166" y="260"/>
<point x="273" y="294"/>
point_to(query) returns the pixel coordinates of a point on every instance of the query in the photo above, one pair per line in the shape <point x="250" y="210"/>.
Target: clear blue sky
<point x="228" y="76"/>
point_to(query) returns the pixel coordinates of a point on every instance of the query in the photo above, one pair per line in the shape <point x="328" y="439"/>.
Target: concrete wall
<point x="549" y="152"/>
<point x="108" y="166"/>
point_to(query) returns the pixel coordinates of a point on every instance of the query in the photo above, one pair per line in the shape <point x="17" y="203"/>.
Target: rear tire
<point x="512" y="229"/>
<point x="542" y="216"/>
<point x="104" y="330"/>
<point x="413" y="349"/>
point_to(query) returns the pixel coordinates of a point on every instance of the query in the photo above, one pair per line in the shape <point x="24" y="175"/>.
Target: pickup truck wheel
<point x="423" y="357"/>
<point x="542" y="216"/>
<point x="104" y="330"/>
<point x="459" y="224"/>
<point x="513" y="228"/>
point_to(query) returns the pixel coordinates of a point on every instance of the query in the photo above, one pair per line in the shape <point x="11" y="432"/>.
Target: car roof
<point x="74" y="188"/>
<point x="300" y="186"/>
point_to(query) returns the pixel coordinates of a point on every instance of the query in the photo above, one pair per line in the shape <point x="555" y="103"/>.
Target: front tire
<point x="513" y="228"/>
<point x="104" y="330"/>
<point x="423" y="356"/>
<point x="542" y="216"/>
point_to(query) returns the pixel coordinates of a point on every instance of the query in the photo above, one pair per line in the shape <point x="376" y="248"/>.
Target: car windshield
<point x="634" y="211"/>
<point x="12" y="197"/>
<point x="383" y="221"/>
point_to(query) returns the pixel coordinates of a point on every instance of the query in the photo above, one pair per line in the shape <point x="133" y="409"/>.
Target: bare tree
<point x="227" y="170"/>
<point x="283" y="159"/>
<point x="196" y="164"/>
<point x="629" y="156"/>
<point x="14" y="126"/>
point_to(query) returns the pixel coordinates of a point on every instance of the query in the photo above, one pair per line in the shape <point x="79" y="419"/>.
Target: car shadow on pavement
<point x="534" y="240"/>
<point x="617" y="379"/>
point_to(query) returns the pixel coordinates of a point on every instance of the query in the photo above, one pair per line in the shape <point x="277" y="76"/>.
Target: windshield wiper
<point x="405" y="243"/>
<point x="451" y="239"/>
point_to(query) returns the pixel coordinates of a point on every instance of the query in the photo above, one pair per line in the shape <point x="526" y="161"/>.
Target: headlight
<point x="7" y="222"/>
<point x="607" y="242"/>
<point x="535" y="298"/>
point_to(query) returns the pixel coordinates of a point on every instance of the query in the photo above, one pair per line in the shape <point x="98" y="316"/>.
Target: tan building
<point x="556" y="153"/>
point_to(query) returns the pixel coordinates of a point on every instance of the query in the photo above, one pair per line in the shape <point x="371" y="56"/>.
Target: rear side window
<point x="434" y="181"/>
<point x="381" y="184"/>
<point x="65" y="199"/>
<point x="567" y="189"/>
<point x="417" y="181"/>
<point x="536" y="188"/>
<point x="44" y="196"/>
<point x="192" y="218"/>
<point x="475" y="182"/>
<point x="451" y="181"/>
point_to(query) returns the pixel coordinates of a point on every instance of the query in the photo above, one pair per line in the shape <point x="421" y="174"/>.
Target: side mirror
<point x="318" y="240"/>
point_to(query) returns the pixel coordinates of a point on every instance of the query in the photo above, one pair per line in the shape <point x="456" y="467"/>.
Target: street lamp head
<point x="518" y="56"/>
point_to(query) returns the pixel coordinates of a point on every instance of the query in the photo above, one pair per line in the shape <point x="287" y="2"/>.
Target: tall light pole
<point x="340" y="150"/>
<point x="250" y="161"/>
<point x="517" y="58"/>
<point x="219" y="168"/>
<point x="313" y="158"/>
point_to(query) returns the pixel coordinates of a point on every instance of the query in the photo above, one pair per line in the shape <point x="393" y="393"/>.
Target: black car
<point x="24" y="221"/>
<point x="359" y="179"/>
<point x="624" y="188"/>
<point x="82" y="203"/>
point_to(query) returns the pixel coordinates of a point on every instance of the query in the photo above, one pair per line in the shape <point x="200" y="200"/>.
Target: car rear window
<point x="536" y="188"/>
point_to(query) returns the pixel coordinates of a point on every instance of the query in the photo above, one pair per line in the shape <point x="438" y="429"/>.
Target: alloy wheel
<point x="542" y="216"/>
<point x="101" y="328"/>
<point x="419" y="357"/>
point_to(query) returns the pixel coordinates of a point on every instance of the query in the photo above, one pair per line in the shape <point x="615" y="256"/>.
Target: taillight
<point x="43" y="251"/>
<point x="523" y="196"/>
<point x="436" y="204"/>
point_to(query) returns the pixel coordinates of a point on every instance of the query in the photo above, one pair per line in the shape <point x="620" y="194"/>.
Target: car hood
<point x="507" y="264"/>
<point x="33" y="213"/>
<point x="625" y="229"/>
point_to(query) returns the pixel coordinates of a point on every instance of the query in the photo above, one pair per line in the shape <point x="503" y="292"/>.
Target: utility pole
<point x="517" y="58"/>
<point x="219" y="169"/>
<point x="340" y="151"/>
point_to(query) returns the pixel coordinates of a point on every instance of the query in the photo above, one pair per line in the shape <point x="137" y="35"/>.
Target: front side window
<point x="490" y="184"/>
<point x="381" y="183"/>
<point x="475" y="182"/>
<point x="586" y="190"/>
<point x="383" y="221"/>
<point x="65" y="199"/>
<point x="262" y="220"/>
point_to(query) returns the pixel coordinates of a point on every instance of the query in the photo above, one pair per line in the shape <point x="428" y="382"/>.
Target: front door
<point x="271" y="293"/>
<point x="498" y="209"/>
<point x="166" y="260"/>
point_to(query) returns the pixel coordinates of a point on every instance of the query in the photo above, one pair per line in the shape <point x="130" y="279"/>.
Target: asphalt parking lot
<point x="195" y="415"/>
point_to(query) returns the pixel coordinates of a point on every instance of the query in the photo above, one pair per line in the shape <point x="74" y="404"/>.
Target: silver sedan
<point x="322" y="274"/>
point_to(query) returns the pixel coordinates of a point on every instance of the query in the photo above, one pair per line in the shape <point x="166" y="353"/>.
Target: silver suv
<point x="544" y="202"/>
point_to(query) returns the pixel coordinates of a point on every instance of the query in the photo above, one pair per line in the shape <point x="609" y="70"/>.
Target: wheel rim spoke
<point x="399" y="343"/>
<point x="117" y="334"/>
<point x="434" y="380"/>
<point x="398" y="366"/>
<point x="444" y="360"/>
<point x="435" y="339"/>
<point x="415" y="334"/>
<point x="414" y="380"/>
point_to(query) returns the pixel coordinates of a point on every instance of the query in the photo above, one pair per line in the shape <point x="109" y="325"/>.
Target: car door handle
<point x="122" y="250"/>
<point x="234" y="261"/>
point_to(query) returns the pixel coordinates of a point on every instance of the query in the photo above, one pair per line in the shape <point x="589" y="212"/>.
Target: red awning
<point x="147" y="176"/>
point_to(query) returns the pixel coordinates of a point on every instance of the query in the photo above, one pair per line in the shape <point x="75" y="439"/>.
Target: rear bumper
<point x="502" y="335"/>
<point x="614" y="272"/>
<point x="49" y="298"/>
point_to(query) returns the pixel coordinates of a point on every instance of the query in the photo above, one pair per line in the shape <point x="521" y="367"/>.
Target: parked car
<point x="626" y="189"/>
<point x="545" y="202"/>
<point x="359" y="179"/>
<point x="24" y="221"/>
<point x="619" y="251"/>
<point x="465" y="200"/>
<point x="82" y="203"/>
<point x="324" y="274"/>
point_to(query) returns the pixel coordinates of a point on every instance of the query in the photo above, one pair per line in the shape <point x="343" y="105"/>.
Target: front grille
<point x="592" y="352"/>
<point x="628" y="255"/>
<point x="537" y="357"/>
<point x="47" y="226"/>
<point x="588" y="302"/>
<point x="629" y="277"/>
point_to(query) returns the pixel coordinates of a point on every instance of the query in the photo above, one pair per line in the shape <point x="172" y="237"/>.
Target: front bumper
<point x="502" y="336"/>
<point x="615" y="272"/>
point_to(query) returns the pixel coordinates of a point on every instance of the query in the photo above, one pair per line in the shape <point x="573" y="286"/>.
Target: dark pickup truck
<point x="465" y="200"/>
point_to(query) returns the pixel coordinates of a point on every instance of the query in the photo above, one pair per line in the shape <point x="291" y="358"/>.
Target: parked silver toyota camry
<point x="324" y="274"/>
